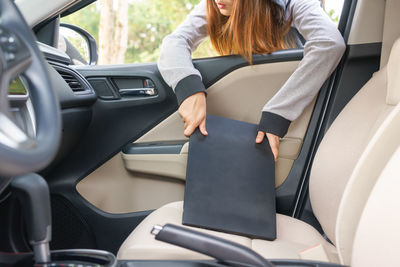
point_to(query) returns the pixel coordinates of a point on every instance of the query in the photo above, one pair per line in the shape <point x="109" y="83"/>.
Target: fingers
<point x="193" y="113"/>
<point x="274" y="143"/>
<point x="260" y="137"/>
<point x="203" y="127"/>
<point x="275" y="152"/>
<point x="189" y="129"/>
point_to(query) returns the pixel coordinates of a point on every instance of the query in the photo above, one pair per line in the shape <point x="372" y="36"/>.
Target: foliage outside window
<point x="131" y="31"/>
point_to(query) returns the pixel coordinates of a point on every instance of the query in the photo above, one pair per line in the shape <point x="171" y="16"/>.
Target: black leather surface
<point x="230" y="183"/>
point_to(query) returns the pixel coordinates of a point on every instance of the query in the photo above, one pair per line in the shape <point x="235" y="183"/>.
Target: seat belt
<point x="391" y="29"/>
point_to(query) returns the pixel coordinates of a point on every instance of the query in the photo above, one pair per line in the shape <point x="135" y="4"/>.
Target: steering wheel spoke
<point x="12" y="135"/>
<point x="18" y="65"/>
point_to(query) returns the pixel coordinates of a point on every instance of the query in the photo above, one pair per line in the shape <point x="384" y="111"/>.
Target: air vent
<point x="72" y="81"/>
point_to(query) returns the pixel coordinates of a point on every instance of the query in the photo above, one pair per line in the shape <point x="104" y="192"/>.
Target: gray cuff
<point x="273" y="123"/>
<point x="189" y="86"/>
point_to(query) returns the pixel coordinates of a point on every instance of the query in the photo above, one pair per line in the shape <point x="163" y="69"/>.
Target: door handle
<point x="138" y="92"/>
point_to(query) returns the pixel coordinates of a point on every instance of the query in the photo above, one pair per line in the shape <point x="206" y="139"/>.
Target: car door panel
<point x="157" y="178"/>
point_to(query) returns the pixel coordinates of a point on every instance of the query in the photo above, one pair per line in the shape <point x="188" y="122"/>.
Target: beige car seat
<point x="377" y="237"/>
<point x="348" y="162"/>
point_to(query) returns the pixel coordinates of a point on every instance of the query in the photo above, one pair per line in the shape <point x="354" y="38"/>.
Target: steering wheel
<point x="20" y="152"/>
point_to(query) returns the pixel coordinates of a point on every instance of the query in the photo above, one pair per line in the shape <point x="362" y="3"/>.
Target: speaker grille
<point x="70" y="230"/>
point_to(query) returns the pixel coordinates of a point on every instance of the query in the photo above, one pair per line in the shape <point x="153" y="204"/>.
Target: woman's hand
<point x="193" y="113"/>
<point x="273" y="142"/>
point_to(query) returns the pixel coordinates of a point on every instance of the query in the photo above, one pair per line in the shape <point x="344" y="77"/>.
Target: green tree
<point x="87" y="18"/>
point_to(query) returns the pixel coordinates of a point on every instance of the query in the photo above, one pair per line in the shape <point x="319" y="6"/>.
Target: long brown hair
<point x="255" y="26"/>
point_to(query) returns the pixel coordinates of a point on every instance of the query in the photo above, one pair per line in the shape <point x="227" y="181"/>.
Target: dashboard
<point x="75" y="95"/>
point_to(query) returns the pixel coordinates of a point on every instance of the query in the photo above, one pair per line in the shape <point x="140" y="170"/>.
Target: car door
<point x="131" y="157"/>
<point x="150" y="172"/>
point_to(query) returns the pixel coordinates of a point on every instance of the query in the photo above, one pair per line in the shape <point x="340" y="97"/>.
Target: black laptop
<point x="230" y="181"/>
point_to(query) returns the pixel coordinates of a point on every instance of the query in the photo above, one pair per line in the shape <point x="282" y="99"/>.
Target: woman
<point x="249" y="27"/>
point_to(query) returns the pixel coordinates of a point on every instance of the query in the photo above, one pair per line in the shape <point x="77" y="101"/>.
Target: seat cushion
<point x="293" y="237"/>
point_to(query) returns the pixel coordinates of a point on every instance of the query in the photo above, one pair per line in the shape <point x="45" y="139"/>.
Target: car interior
<point x="93" y="157"/>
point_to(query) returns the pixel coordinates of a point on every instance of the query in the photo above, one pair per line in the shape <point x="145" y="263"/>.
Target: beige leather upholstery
<point x="393" y="68"/>
<point x="115" y="189"/>
<point x="344" y="143"/>
<point x="293" y="236"/>
<point x="346" y="167"/>
<point x="377" y="239"/>
<point x="363" y="179"/>
<point x="338" y="198"/>
<point x="342" y="147"/>
<point x="391" y="29"/>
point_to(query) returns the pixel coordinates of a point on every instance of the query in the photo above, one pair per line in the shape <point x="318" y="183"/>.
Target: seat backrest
<point x="362" y="181"/>
<point x="337" y="191"/>
<point x="377" y="237"/>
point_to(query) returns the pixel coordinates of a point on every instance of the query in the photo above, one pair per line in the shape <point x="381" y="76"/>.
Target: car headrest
<point x="393" y="75"/>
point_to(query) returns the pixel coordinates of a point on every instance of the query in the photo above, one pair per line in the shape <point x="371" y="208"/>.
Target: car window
<point x="333" y="8"/>
<point x="131" y="31"/>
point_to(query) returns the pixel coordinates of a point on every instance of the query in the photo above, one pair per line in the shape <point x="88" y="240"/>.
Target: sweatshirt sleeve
<point x="323" y="50"/>
<point x="175" y="62"/>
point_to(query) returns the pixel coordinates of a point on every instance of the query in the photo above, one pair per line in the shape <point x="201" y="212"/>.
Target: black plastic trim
<point x="346" y="18"/>
<point x="47" y="31"/>
<point x="110" y="230"/>
<point x="134" y="71"/>
<point x="107" y="92"/>
<point x="88" y="90"/>
<point x="75" y="122"/>
<point x="54" y="54"/>
<point x="362" y="51"/>
<point x="67" y="98"/>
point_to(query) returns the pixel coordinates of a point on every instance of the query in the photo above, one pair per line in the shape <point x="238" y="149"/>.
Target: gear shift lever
<point x="33" y="193"/>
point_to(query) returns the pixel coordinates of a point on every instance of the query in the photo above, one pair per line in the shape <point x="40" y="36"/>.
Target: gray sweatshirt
<point x="322" y="52"/>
